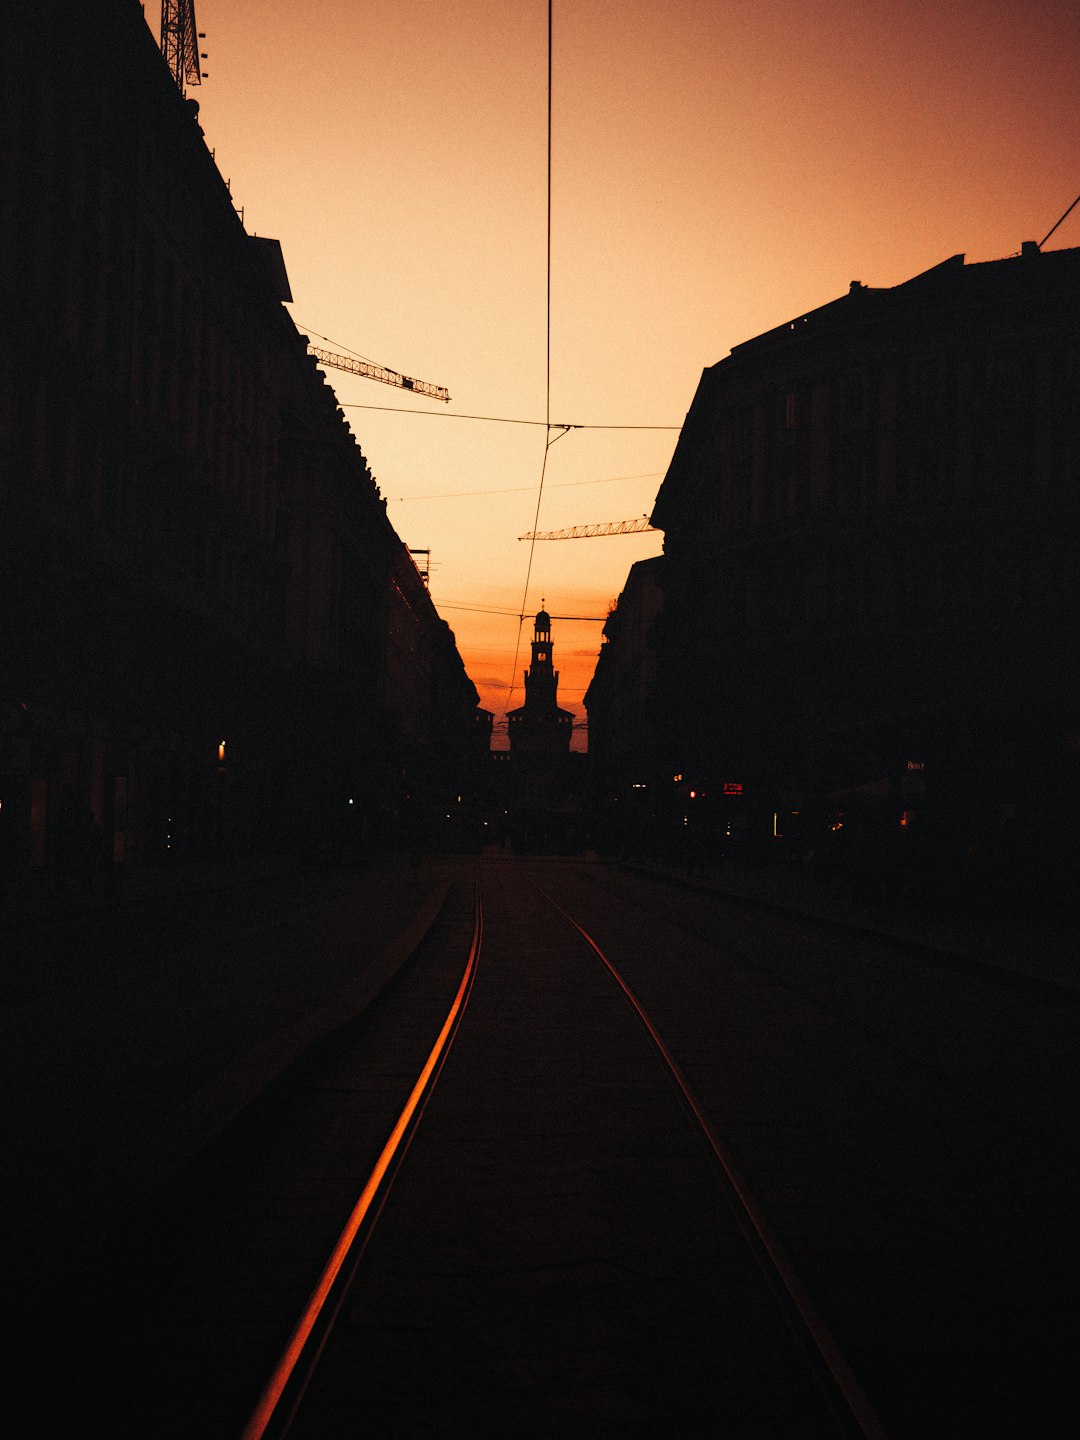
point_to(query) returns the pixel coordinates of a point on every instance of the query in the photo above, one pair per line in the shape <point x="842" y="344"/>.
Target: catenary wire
<point x="497" y="419"/>
<point x="449" y="414"/>
<point x="548" y="442"/>
<point x="490" y="610"/>
<point x="523" y="489"/>
<point x="1053" y="227"/>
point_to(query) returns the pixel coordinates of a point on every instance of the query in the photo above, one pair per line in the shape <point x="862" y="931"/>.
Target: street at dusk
<point x="716" y="170"/>
<point x="560" y="1253"/>
<point x="540" y="720"/>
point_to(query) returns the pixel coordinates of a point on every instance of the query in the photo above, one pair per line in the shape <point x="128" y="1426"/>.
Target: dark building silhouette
<point x="213" y="640"/>
<point x="621" y="702"/>
<point x="538" y="788"/>
<point x="540" y="727"/>
<point x="871" y="575"/>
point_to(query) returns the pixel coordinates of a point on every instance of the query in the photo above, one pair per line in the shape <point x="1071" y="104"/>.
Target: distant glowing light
<point x="675" y="779"/>
<point x="221" y="750"/>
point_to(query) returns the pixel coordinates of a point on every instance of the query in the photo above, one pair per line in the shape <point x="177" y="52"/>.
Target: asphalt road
<point x="556" y="1257"/>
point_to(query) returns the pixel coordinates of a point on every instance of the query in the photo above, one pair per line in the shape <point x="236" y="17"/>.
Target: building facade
<point x="621" y="702"/>
<point x="538" y="791"/>
<point x="540" y="726"/>
<point x="871" y="574"/>
<point x="213" y="640"/>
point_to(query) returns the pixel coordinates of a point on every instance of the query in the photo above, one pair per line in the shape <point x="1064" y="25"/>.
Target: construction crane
<point x="180" y="42"/>
<point x="586" y="532"/>
<point x="352" y="366"/>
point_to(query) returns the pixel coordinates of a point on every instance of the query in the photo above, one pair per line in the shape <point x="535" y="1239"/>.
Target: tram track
<point x="561" y="1253"/>
<point x="170" y="1326"/>
<point x="939" y="1125"/>
<point x="827" y="1369"/>
<point x="779" y="1273"/>
<point x="827" y="987"/>
<point x="285" y="1389"/>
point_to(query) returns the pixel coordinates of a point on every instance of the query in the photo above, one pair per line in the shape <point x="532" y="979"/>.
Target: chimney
<point x="1029" y="248"/>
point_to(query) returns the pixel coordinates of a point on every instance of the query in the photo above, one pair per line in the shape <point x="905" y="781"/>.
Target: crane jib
<point x="354" y="366"/>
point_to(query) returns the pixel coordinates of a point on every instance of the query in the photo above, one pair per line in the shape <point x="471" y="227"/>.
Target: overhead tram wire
<point x="561" y="426"/>
<point x="490" y="610"/>
<point x="1064" y="217"/>
<point x="522" y="489"/>
<point x="490" y="419"/>
<point x="548" y="442"/>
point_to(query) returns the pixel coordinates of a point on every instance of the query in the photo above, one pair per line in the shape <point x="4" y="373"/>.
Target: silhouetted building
<point x="538" y="788"/>
<point x="485" y="724"/>
<point x="540" y="727"/>
<point x="621" y="702"/>
<point x="872" y="570"/>
<point x="213" y="641"/>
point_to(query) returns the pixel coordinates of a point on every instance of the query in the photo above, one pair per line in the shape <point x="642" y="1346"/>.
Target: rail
<point x="765" y="1244"/>
<point x="278" y="1403"/>
<point x="284" y="1392"/>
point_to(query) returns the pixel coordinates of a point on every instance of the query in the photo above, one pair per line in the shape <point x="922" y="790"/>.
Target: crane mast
<point x="180" y="42"/>
<point x="352" y="366"/>
<point x="586" y="532"/>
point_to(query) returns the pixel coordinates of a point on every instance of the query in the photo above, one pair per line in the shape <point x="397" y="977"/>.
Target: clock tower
<point x="540" y="727"/>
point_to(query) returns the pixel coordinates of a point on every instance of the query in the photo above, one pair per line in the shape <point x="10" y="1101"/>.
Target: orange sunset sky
<point x="716" y="170"/>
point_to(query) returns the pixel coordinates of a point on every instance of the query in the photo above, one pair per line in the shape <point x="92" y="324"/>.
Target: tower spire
<point x="540" y="724"/>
